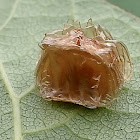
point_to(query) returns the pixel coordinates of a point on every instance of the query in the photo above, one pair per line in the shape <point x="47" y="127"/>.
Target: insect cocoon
<point x="82" y="64"/>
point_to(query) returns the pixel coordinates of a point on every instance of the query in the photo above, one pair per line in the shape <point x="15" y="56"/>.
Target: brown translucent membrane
<point x="82" y="65"/>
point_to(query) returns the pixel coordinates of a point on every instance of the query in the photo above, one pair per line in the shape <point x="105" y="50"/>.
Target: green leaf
<point x="26" y="116"/>
<point x="129" y="5"/>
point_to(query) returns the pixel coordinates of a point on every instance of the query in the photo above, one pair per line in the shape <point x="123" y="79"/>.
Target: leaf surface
<point x="26" y="116"/>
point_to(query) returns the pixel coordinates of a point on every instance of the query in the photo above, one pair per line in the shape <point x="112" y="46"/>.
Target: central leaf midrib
<point x="15" y="102"/>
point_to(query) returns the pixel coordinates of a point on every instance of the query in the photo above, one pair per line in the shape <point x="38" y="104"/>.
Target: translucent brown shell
<point x="82" y="64"/>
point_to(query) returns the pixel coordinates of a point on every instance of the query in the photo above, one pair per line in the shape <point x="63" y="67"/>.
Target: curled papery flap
<point x="83" y="64"/>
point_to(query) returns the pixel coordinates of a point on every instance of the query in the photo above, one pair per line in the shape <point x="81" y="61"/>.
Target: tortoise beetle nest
<point x="82" y="64"/>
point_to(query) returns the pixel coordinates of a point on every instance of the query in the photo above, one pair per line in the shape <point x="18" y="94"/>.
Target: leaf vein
<point x="11" y="15"/>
